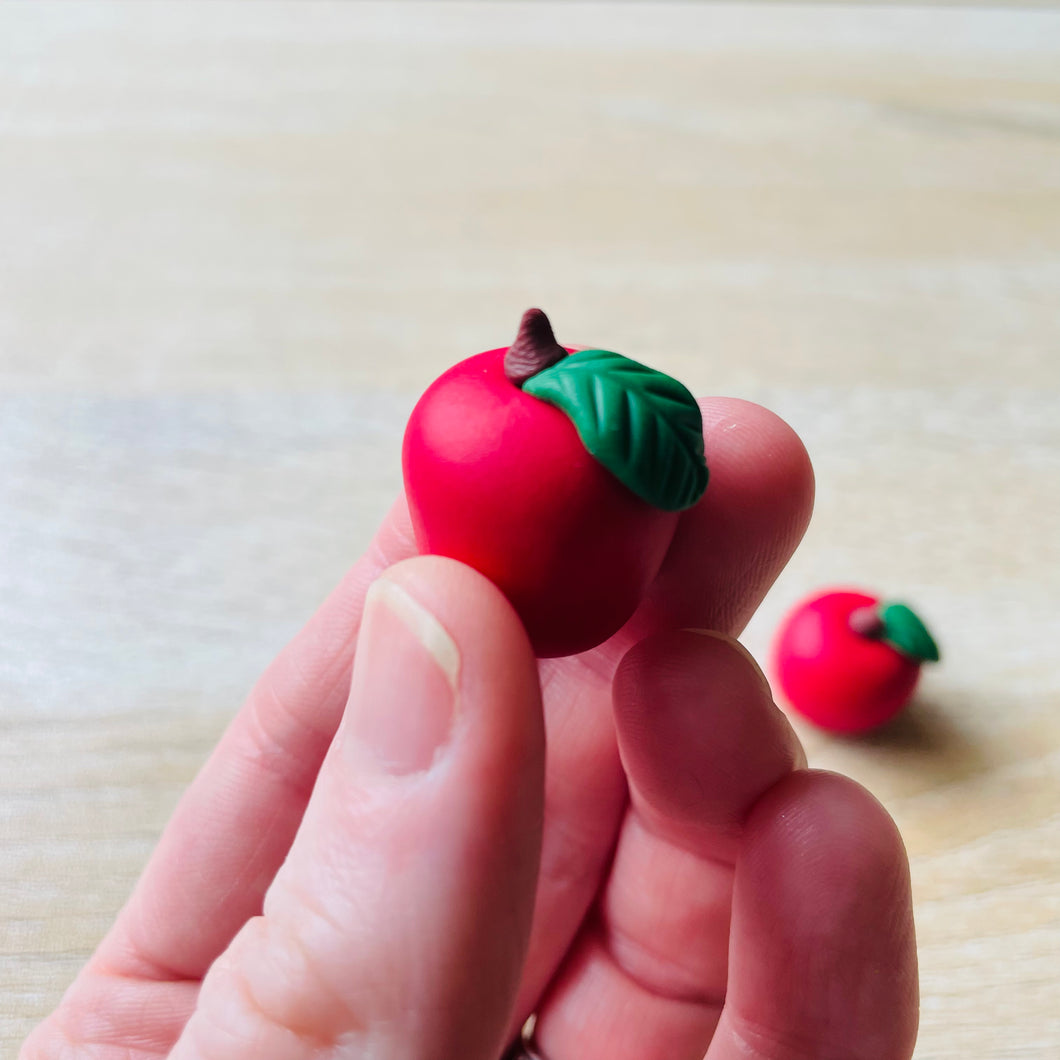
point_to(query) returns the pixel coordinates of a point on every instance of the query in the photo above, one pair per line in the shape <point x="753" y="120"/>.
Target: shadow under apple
<point x="925" y="740"/>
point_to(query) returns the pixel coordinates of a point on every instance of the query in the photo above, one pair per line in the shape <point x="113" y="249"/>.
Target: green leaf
<point x="642" y="425"/>
<point x="903" y="628"/>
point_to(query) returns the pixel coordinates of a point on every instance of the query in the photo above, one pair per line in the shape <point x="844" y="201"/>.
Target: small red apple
<point x="848" y="662"/>
<point x="557" y="474"/>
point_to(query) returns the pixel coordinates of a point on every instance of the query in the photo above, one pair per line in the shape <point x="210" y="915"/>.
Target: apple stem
<point x="867" y="622"/>
<point x="534" y="349"/>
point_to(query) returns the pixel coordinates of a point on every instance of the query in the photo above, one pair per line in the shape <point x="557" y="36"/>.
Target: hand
<point x="389" y="866"/>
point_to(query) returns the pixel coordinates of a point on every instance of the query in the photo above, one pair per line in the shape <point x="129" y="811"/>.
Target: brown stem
<point x="534" y="349"/>
<point x="867" y="622"/>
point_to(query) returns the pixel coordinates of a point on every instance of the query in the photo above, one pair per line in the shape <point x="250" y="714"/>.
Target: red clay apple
<point x="559" y="475"/>
<point x="849" y="662"/>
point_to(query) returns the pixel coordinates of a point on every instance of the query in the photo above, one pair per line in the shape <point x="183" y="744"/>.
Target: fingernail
<point x="403" y="690"/>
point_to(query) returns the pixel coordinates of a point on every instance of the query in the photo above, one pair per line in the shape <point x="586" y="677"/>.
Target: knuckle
<point x="757" y="1041"/>
<point x="267" y="995"/>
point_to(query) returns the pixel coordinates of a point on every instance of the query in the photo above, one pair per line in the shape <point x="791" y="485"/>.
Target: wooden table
<point x="237" y="241"/>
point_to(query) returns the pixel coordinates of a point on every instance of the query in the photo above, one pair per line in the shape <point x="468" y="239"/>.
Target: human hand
<point x="670" y="882"/>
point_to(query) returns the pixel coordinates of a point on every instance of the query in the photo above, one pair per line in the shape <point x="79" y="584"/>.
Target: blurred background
<point x="238" y="240"/>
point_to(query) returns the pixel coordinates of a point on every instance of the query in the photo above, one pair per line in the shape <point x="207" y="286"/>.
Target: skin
<point x="669" y="882"/>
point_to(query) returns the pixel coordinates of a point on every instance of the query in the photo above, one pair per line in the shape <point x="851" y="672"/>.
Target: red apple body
<point x="501" y="481"/>
<point x="837" y="677"/>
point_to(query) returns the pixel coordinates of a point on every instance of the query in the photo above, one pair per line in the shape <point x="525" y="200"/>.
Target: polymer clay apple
<point x="560" y="475"/>
<point x="848" y="661"/>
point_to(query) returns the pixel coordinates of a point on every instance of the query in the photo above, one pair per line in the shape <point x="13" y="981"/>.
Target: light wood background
<point x="237" y="240"/>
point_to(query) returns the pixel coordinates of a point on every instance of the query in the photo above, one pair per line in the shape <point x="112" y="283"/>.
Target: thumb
<point x="398" y="925"/>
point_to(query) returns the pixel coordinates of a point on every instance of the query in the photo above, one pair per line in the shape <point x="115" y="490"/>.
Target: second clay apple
<point x="848" y="661"/>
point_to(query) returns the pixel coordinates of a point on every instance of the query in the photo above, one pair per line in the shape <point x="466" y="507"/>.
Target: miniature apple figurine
<point x="849" y="662"/>
<point x="557" y="474"/>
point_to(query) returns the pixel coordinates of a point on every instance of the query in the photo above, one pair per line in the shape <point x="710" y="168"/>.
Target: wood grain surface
<point x="237" y="240"/>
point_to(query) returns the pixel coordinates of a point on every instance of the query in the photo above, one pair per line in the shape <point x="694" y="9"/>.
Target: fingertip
<point x="499" y="732"/>
<point x="699" y="733"/>
<point x="729" y="547"/>
<point x="728" y="414"/>
<point x="834" y="827"/>
<point x="682" y="666"/>
<point x="445" y="583"/>
<point x="761" y="454"/>
<point x="482" y="623"/>
<point x="823" y="946"/>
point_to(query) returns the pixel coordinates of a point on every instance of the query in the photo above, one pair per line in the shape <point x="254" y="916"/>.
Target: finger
<point x="235" y="823"/>
<point x="102" y="1017"/>
<point x="727" y="552"/>
<point x="701" y="740"/>
<point x="823" y="956"/>
<point x="730" y="547"/>
<point x="398" y="924"/>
